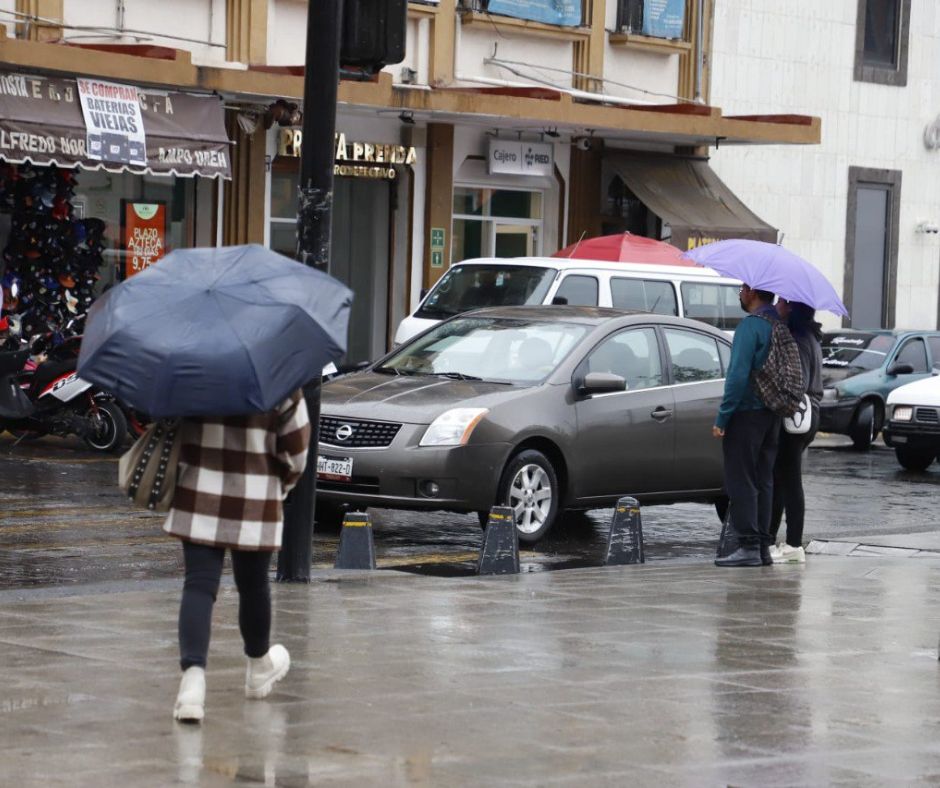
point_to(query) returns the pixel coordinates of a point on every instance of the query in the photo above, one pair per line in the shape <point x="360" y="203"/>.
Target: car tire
<point x="914" y="459"/>
<point x="864" y="428"/>
<point x="530" y="480"/>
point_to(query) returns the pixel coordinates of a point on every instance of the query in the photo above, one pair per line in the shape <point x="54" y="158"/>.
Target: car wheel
<point x="914" y="459"/>
<point x="529" y="486"/>
<point x="863" y="429"/>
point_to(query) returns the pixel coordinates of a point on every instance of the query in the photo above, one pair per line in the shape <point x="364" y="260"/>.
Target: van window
<point x="717" y="305"/>
<point x="578" y="290"/>
<point x="643" y="295"/>
<point x="466" y="287"/>
<point x="694" y="356"/>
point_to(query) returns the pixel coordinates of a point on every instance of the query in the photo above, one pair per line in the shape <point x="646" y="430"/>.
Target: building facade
<point x="510" y="128"/>
<point x="864" y="205"/>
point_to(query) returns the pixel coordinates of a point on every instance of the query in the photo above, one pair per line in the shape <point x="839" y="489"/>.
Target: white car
<point x="913" y="426"/>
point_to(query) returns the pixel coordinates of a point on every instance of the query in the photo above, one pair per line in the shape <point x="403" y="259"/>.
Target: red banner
<point x="143" y="234"/>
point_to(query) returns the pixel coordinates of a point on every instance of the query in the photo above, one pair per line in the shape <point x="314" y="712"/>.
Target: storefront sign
<point x="355" y="159"/>
<point x="99" y="125"/>
<point x="552" y="12"/>
<point x="115" y="125"/>
<point x="143" y="234"/>
<point x="438" y="240"/>
<point x="521" y="158"/>
<point x="664" y="18"/>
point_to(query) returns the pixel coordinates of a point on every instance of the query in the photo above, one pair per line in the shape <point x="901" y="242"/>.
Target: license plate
<point x="337" y="469"/>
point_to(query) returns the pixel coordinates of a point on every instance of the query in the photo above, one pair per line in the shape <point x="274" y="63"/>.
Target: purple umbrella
<point x="765" y="266"/>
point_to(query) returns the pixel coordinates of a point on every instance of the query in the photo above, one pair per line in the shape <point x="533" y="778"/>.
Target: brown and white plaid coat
<point x="234" y="473"/>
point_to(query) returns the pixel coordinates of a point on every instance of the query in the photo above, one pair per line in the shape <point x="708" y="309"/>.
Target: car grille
<point x="364" y="435"/>
<point x="926" y="415"/>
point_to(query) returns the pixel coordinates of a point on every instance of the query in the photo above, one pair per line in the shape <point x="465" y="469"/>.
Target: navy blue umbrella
<point x="215" y="332"/>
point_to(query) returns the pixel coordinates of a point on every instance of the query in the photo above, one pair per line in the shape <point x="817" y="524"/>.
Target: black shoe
<point x="743" y="556"/>
<point x="765" y="558"/>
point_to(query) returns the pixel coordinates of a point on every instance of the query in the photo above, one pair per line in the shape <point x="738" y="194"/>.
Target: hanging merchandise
<point x="52" y="258"/>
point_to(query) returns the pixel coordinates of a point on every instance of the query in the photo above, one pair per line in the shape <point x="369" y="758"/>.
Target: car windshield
<point x="466" y="287"/>
<point x="855" y="352"/>
<point x="501" y="350"/>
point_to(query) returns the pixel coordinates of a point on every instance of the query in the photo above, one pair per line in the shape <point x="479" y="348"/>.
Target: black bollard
<point x="500" y="552"/>
<point x="625" y="539"/>
<point x="356" y="548"/>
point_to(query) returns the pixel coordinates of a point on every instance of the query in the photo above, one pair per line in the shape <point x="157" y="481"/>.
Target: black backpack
<point x="779" y="383"/>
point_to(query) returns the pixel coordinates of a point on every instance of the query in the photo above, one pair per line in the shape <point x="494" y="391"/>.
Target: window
<point x="934" y="343"/>
<point x="473" y="286"/>
<point x="496" y="223"/>
<point x="914" y="352"/>
<point x="632" y="354"/>
<point x="659" y="18"/>
<point x="578" y="291"/>
<point x="871" y="246"/>
<point x="881" y="41"/>
<point x="717" y="305"/>
<point x="725" y="352"/>
<point x="694" y="356"/>
<point x="644" y="295"/>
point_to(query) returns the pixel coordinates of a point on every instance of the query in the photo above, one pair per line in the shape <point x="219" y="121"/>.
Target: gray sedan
<point x="539" y="408"/>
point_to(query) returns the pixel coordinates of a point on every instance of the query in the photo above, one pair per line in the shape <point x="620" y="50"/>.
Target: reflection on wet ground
<point x="63" y="520"/>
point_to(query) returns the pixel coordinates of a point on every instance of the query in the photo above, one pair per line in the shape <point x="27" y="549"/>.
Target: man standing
<point x="750" y="433"/>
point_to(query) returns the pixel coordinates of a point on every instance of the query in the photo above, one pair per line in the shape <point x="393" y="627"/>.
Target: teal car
<point x="860" y="368"/>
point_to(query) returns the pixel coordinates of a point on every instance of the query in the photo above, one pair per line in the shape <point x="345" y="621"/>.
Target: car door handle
<point x="661" y="413"/>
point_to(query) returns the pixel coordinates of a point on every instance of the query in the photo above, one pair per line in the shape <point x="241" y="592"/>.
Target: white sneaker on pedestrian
<point x="264" y="672"/>
<point x="191" y="698"/>
<point x="785" y="554"/>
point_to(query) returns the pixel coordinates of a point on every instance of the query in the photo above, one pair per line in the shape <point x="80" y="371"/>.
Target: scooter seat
<point x="12" y="362"/>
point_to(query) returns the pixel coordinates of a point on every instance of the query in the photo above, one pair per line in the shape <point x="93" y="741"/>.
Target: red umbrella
<point x="624" y="248"/>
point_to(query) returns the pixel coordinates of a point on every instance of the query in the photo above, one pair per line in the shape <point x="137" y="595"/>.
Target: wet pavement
<point x="63" y="521"/>
<point x="664" y="674"/>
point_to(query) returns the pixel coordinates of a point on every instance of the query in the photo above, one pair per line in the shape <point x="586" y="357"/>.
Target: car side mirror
<point x="602" y="383"/>
<point x="559" y="301"/>
<point x="900" y="368"/>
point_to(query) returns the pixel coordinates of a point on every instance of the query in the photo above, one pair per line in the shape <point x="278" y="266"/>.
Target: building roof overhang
<point x="518" y="109"/>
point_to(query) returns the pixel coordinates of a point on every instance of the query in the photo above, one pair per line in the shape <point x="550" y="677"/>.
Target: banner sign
<point x="114" y="123"/>
<point x="664" y="18"/>
<point x="104" y="125"/>
<point x="552" y="12"/>
<point x="521" y="158"/>
<point x="143" y="234"/>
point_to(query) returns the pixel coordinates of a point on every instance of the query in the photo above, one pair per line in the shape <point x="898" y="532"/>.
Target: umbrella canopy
<point x="765" y="266"/>
<point x="624" y="248"/>
<point x="215" y="332"/>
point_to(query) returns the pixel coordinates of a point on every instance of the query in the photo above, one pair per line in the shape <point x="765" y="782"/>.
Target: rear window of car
<point x="466" y="287"/>
<point x="644" y="295"/>
<point x="714" y="304"/>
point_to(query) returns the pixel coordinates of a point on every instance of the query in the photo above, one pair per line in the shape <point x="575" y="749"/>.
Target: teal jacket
<point x="748" y="353"/>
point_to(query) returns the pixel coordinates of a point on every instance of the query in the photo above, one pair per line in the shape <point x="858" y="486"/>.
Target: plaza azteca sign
<point x="355" y="159"/>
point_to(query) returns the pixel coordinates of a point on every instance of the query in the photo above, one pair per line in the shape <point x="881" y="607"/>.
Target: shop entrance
<point x="360" y="259"/>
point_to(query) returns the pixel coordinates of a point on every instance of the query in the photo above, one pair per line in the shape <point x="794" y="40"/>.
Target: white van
<point x="695" y="292"/>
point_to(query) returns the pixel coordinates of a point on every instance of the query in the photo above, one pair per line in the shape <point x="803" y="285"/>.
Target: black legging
<point x="788" y="483"/>
<point x="203" y="573"/>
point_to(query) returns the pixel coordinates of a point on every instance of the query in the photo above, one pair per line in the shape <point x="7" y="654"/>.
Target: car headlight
<point x="830" y="395"/>
<point x="453" y="428"/>
<point x="902" y="413"/>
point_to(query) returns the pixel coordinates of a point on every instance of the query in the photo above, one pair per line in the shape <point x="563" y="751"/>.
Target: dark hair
<point x="765" y="295"/>
<point x="802" y="320"/>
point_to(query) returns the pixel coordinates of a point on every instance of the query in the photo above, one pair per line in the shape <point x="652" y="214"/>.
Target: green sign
<point x="437" y="259"/>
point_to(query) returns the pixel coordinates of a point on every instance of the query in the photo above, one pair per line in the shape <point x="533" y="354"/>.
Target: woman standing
<point x="788" y="469"/>
<point x="234" y="474"/>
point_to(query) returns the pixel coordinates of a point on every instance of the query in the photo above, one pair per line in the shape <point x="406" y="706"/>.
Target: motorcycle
<point x="52" y="400"/>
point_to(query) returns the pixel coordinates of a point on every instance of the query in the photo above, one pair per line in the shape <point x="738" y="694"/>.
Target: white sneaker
<point x="191" y="698"/>
<point x="264" y="672"/>
<point x="785" y="554"/>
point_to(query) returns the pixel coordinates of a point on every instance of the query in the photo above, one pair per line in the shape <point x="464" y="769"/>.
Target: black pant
<point x="750" y="448"/>
<point x="203" y="573"/>
<point x="788" y="483"/>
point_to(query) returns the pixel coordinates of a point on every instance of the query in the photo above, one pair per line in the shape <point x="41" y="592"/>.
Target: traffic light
<point x="373" y="33"/>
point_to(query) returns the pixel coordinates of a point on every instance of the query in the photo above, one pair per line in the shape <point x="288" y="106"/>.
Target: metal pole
<point x="314" y="214"/>
<point x="699" y="53"/>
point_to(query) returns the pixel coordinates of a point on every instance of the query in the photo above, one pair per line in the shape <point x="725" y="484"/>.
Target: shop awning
<point x="687" y="195"/>
<point x="41" y="121"/>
